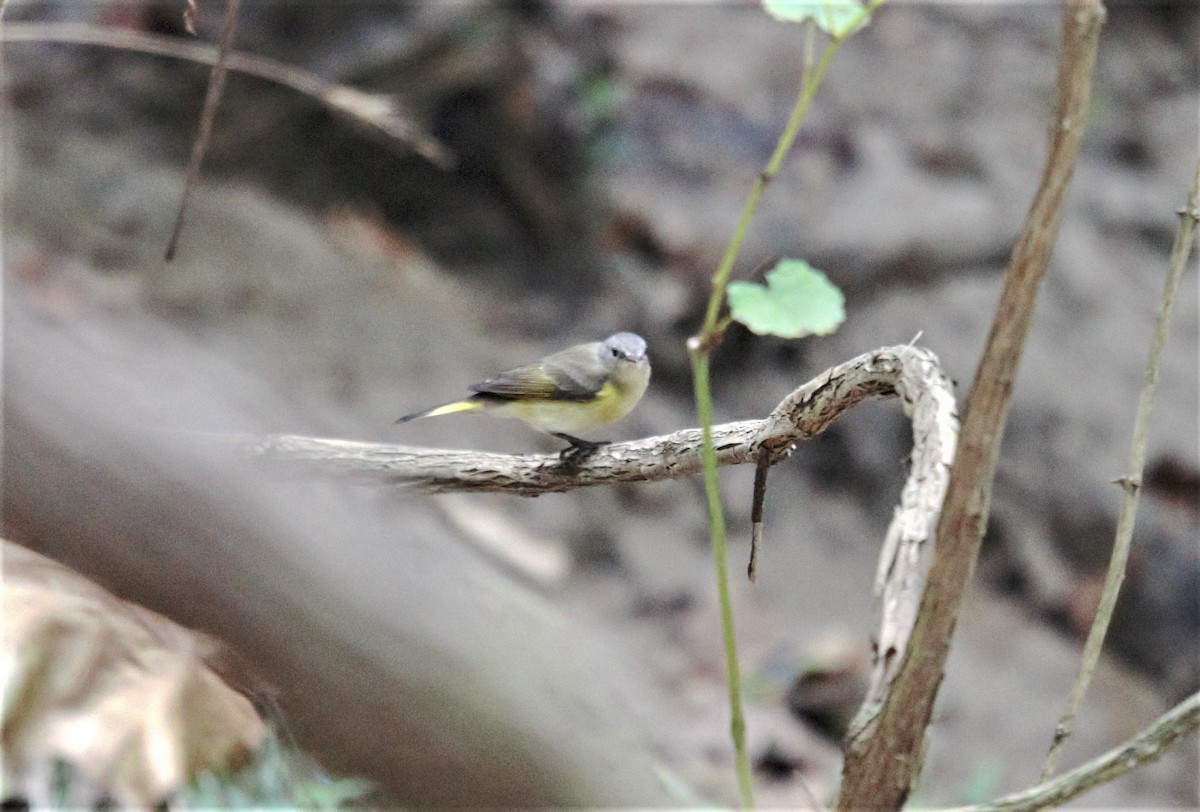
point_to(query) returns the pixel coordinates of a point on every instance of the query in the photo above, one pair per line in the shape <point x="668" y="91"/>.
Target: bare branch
<point x="1131" y="482"/>
<point x="910" y="373"/>
<point x="216" y="86"/>
<point x="1144" y="748"/>
<point x="439" y="470"/>
<point x="886" y="742"/>
<point x="378" y="113"/>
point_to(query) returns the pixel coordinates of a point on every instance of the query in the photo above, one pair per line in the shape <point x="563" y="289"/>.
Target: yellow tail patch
<point x="451" y="408"/>
<point x="448" y="408"/>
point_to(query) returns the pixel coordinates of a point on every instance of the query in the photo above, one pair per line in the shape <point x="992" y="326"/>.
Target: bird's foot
<point x="578" y="450"/>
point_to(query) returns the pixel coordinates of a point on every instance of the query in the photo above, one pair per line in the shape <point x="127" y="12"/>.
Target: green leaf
<point x="837" y="18"/>
<point x="798" y="300"/>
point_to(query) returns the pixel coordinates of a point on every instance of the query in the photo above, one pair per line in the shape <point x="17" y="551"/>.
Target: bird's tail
<point x="467" y="405"/>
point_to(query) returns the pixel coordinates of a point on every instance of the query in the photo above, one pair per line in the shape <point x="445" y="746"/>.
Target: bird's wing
<point x="573" y="374"/>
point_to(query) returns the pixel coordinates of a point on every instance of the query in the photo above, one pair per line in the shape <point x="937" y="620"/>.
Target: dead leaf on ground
<point x="119" y="693"/>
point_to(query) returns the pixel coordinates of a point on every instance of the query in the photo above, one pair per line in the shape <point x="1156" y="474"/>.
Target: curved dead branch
<point x="910" y="373"/>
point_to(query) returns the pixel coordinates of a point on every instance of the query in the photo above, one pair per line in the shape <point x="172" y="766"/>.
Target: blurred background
<point x="491" y="650"/>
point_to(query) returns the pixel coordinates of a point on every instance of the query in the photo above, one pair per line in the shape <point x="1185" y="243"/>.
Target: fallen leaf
<point x="120" y="694"/>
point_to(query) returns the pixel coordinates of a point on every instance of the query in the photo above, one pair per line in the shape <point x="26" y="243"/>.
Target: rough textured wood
<point x="911" y="373"/>
<point x="885" y="745"/>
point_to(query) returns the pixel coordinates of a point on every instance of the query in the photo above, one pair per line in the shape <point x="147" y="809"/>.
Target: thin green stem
<point x="721" y="277"/>
<point x="699" y="349"/>
<point x="716" y="521"/>
<point x="810" y="80"/>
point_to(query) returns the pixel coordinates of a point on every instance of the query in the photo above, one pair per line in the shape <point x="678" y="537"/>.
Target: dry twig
<point x="378" y="113"/>
<point x="216" y="86"/>
<point x="910" y="373"/>
<point x="1132" y="481"/>
<point x="885" y="743"/>
<point x="1147" y="746"/>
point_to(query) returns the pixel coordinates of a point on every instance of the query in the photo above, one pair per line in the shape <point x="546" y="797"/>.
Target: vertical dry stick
<point x="216" y="84"/>
<point x="761" y="468"/>
<point x="191" y="13"/>
<point x="1132" y="481"/>
<point x="884" y="756"/>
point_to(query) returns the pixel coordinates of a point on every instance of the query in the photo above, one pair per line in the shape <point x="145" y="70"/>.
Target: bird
<point x="575" y="390"/>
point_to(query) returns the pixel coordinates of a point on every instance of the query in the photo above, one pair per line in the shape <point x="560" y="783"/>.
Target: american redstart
<point x="576" y="390"/>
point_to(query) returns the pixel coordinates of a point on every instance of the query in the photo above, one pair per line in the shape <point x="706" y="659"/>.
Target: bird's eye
<point x="615" y="352"/>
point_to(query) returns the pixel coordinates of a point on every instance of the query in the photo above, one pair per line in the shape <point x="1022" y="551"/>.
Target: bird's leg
<point x="578" y="449"/>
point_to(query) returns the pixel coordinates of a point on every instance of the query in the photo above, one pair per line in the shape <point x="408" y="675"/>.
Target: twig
<point x="191" y="13"/>
<point x="1146" y="747"/>
<point x="216" y="85"/>
<point x="913" y="373"/>
<point x="910" y="373"/>
<point x="1131" y="483"/>
<point x="885" y="743"/>
<point x="375" y="112"/>
<point x="761" y="468"/>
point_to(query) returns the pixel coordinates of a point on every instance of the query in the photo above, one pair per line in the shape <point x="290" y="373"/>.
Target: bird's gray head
<point x="626" y="347"/>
